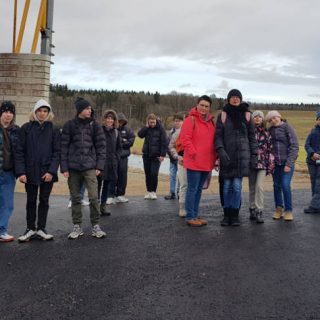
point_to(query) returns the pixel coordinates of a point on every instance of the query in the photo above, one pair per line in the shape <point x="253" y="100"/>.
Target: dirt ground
<point x="136" y="183"/>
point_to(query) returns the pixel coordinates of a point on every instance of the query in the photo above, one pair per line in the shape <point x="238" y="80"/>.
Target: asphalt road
<point x="153" y="266"/>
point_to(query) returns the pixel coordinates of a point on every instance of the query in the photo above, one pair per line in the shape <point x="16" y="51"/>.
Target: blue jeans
<point x="7" y="184"/>
<point x="196" y="180"/>
<point x="282" y="188"/>
<point x="232" y="193"/>
<point x="173" y="177"/>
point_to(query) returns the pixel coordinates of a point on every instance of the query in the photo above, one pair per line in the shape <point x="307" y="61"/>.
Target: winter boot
<point x="226" y="217"/>
<point x="278" y="214"/>
<point x="259" y="218"/>
<point x="288" y="216"/>
<point x="104" y="211"/>
<point x="171" y="196"/>
<point x="253" y="215"/>
<point x="182" y="210"/>
<point x="235" y="222"/>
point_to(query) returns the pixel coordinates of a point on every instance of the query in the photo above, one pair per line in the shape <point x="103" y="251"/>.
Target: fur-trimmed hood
<point x="115" y="117"/>
<point x="40" y="104"/>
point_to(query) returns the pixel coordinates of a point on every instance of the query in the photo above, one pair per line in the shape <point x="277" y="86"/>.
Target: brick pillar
<point x="24" y="79"/>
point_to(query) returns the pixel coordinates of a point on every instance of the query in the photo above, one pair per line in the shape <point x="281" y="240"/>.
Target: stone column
<point x="24" y="79"/>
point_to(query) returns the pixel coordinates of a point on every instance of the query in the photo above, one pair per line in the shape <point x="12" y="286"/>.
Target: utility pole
<point x="46" y="34"/>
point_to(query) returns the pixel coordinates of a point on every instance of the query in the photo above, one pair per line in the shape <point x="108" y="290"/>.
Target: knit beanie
<point x="81" y="104"/>
<point x="258" y="113"/>
<point x="7" y="106"/>
<point x="271" y="114"/>
<point x="317" y="115"/>
<point x="234" y="93"/>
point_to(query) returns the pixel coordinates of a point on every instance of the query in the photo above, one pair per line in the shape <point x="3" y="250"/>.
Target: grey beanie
<point x="258" y="113"/>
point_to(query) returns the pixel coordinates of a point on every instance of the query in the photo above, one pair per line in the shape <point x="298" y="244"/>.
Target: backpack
<point x="179" y="145"/>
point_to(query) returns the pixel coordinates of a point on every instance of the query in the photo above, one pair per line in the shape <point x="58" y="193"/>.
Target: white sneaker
<point x="147" y="196"/>
<point x="110" y="201"/>
<point x="27" y="236"/>
<point x="76" y="232"/>
<point x="42" y="234"/>
<point x="153" y="196"/>
<point x="97" y="232"/>
<point x="69" y="204"/>
<point x="84" y="203"/>
<point x="5" y="237"/>
<point x="121" y="199"/>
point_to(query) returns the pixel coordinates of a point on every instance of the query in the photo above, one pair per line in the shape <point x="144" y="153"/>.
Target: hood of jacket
<point x="40" y="104"/>
<point x="195" y="113"/>
<point x="115" y="116"/>
<point x="122" y="117"/>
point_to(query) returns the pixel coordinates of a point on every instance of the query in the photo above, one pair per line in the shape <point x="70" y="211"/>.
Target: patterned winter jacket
<point x="265" y="150"/>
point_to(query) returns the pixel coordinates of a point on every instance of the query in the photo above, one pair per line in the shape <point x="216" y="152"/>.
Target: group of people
<point x="89" y="154"/>
<point x="239" y="145"/>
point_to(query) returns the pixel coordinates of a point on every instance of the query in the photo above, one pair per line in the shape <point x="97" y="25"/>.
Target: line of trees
<point x="137" y="105"/>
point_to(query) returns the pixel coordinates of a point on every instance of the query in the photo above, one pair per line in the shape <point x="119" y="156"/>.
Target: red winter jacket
<point x="197" y="137"/>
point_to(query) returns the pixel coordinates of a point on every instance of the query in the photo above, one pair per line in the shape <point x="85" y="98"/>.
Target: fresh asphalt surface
<point x="152" y="266"/>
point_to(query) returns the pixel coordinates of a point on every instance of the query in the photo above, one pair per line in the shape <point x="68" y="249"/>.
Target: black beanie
<point x="7" y="106"/>
<point x="234" y="93"/>
<point x="81" y="104"/>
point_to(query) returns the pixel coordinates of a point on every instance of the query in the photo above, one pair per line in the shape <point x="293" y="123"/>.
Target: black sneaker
<point x="311" y="210"/>
<point x="171" y="196"/>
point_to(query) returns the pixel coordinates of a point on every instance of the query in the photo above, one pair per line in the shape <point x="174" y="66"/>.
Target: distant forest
<point x="137" y="105"/>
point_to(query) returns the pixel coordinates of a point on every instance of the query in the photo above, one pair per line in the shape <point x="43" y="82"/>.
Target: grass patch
<point x="137" y="146"/>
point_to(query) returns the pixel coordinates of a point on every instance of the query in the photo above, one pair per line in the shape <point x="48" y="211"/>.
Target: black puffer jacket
<point x="113" y="142"/>
<point x="155" y="141"/>
<point x="38" y="151"/>
<point x="235" y="142"/>
<point x="127" y="136"/>
<point x="83" y="145"/>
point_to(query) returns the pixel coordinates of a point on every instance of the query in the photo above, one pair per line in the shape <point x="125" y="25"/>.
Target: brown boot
<point x="194" y="223"/>
<point x="278" y="213"/>
<point x="288" y="216"/>
<point x="203" y="222"/>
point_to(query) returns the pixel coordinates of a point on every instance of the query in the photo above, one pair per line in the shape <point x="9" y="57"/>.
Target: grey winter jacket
<point x="285" y="143"/>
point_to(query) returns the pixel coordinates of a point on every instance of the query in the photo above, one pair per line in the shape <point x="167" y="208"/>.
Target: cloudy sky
<point x="269" y="49"/>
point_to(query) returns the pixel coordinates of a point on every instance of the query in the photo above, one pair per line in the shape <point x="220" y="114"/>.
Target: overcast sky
<point x="270" y="50"/>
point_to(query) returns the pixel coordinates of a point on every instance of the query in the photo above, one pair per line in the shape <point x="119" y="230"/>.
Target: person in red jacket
<point x="197" y="137"/>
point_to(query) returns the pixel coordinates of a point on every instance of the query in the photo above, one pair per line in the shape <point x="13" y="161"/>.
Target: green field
<point x="302" y="122"/>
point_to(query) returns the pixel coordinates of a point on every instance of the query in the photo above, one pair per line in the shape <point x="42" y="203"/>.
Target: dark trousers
<point x="122" y="177"/>
<point x="151" y="169"/>
<point x="108" y="187"/>
<point x="314" y="171"/>
<point x="44" y="190"/>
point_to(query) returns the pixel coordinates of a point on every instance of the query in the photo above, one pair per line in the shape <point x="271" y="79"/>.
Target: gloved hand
<point x="224" y="158"/>
<point x="254" y="161"/>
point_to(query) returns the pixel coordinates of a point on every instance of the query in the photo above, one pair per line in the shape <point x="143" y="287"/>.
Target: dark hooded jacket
<point x="113" y="150"/>
<point x="127" y="136"/>
<point x="83" y="145"/>
<point x="235" y="142"/>
<point x="38" y="151"/>
<point x="12" y="131"/>
<point x="155" y="141"/>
